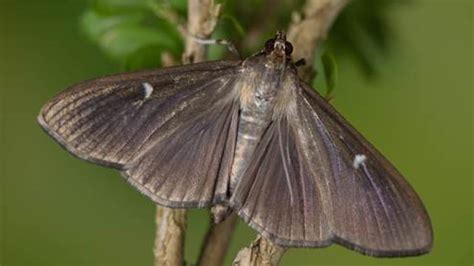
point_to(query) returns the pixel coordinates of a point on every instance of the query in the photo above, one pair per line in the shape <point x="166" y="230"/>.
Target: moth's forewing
<point x="116" y="120"/>
<point x="314" y="180"/>
<point x="108" y="120"/>
<point x="190" y="166"/>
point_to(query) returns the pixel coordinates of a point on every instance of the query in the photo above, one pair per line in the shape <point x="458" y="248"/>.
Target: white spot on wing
<point x="148" y="90"/>
<point x="359" y="159"/>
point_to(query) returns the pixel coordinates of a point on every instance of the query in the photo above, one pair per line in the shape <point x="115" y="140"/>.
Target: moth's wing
<point x="191" y="166"/>
<point x="303" y="187"/>
<point x="371" y="207"/>
<point x="165" y="128"/>
<point x="277" y="195"/>
<point x="111" y="120"/>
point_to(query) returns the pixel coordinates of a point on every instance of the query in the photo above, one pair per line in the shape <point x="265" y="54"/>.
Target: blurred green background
<point x="416" y="108"/>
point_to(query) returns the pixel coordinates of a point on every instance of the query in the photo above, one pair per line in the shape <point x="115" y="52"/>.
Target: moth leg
<point x="228" y="44"/>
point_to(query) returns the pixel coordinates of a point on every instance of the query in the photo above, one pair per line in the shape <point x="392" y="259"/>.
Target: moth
<point x="249" y="135"/>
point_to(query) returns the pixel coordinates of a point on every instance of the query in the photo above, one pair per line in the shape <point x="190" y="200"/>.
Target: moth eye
<point x="288" y="48"/>
<point x="269" y="45"/>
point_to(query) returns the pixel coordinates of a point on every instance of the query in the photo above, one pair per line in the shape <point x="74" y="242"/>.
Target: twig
<point x="260" y="252"/>
<point x="307" y="29"/>
<point x="217" y="242"/>
<point x="169" y="239"/>
<point x="171" y="223"/>
<point x="202" y="19"/>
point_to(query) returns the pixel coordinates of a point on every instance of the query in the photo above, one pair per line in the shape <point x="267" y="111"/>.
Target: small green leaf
<point x="234" y="23"/>
<point x="144" y="58"/>
<point x="95" y="24"/>
<point x="128" y="32"/>
<point x="181" y="6"/>
<point x="330" y="72"/>
<point x="120" y="42"/>
<point x="120" y="6"/>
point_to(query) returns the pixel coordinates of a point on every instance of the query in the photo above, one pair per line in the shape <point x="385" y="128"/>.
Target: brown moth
<point x="251" y="136"/>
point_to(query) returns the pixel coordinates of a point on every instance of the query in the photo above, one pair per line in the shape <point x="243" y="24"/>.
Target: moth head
<point x="278" y="46"/>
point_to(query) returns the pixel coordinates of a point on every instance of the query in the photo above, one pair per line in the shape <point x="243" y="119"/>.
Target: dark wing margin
<point x="315" y="180"/>
<point x="127" y="121"/>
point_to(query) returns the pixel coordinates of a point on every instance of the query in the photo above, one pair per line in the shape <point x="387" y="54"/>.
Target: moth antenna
<point x="228" y="44"/>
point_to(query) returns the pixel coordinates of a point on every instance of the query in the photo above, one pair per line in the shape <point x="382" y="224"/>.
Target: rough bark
<point x="309" y="28"/>
<point x="169" y="239"/>
<point x="260" y="252"/>
<point x="217" y="242"/>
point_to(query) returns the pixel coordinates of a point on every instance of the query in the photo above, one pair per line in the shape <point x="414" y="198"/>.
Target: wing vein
<point x="285" y="167"/>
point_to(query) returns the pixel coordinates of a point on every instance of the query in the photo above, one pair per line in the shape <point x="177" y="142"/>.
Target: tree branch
<point x="202" y="19"/>
<point x="171" y="223"/>
<point x="169" y="239"/>
<point x="217" y="241"/>
<point x="261" y="252"/>
<point x="309" y="28"/>
<point x="306" y="31"/>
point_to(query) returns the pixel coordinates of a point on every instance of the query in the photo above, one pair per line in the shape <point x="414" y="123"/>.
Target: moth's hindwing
<point x="315" y="180"/>
<point x="178" y="121"/>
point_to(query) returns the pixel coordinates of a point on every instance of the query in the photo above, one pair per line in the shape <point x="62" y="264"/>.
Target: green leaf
<point x="144" y="58"/>
<point x="121" y="42"/>
<point x="234" y="23"/>
<point x="364" y="33"/>
<point x="129" y="33"/>
<point x="120" y="6"/>
<point x="95" y="24"/>
<point x="330" y="72"/>
<point x="181" y="6"/>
